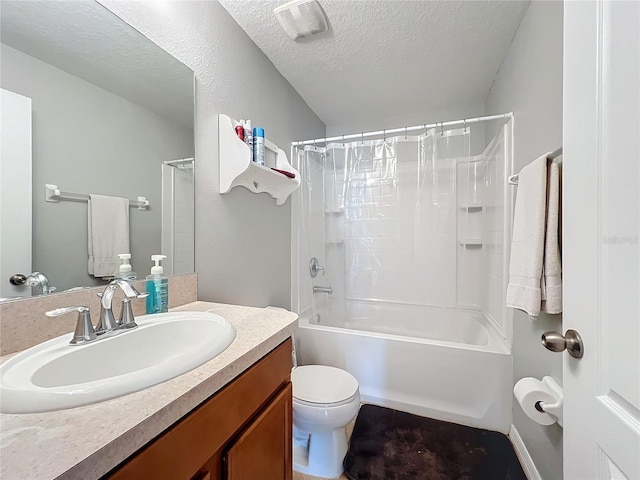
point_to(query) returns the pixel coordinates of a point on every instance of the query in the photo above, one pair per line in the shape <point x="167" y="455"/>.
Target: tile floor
<point x="301" y="476"/>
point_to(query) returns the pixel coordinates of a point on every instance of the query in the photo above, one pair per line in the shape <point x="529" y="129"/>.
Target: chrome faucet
<point x="107" y="321"/>
<point x="85" y="332"/>
<point x="40" y="280"/>
<point x="35" y="279"/>
<point x="107" y="325"/>
<point x="327" y="290"/>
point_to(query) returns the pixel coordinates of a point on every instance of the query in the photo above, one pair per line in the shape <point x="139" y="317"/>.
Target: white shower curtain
<point x="382" y="216"/>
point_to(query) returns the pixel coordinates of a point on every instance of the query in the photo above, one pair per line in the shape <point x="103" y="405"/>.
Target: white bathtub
<point x="440" y="363"/>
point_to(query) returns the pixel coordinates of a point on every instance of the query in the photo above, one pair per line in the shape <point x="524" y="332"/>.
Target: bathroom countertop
<point x="87" y="442"/>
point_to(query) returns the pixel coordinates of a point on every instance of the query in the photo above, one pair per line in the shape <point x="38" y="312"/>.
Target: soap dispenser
<point x="157" y="287"/>
<point x="125" y="271"/>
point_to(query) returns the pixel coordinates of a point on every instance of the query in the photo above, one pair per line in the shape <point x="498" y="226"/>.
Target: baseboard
<point x="522" y="453"/>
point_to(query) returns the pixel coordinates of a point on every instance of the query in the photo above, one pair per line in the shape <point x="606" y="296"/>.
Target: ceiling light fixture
<point x="301" y="18"/>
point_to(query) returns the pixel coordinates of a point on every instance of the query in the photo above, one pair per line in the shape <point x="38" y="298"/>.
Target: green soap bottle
<point x="157" y="287"/>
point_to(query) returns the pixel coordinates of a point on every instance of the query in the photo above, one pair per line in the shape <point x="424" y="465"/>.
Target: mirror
<point x="111" y="113"/>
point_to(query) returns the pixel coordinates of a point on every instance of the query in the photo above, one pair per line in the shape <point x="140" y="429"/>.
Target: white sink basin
<point x="55" y="375"/>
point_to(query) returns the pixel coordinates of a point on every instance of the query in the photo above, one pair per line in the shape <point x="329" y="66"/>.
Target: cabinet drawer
<point x="181" y="451"/>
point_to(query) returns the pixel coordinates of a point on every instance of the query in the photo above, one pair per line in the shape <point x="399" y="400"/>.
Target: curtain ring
<point x="405" y="132"/>
<point x="464" y="121"/>
<point x="362" y="138"/>
<point x="343" y="141"/>
<point x="441" y="128"/>
<point x="384" y="135"/>
<point x="425" y="128"/>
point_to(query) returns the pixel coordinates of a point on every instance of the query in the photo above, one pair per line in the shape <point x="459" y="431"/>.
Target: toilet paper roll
<point x="530" y="390"/>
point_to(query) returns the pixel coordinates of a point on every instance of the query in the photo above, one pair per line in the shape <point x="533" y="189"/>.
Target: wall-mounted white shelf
<point x="236" y="167"/>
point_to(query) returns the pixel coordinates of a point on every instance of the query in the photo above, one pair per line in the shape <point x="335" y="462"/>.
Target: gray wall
<point x="88" y="140"/>
<point x="409" y="119"/>
<point x="428" y="117"/>
<point x="243" y="240"/>
<point x="530" y="84"/>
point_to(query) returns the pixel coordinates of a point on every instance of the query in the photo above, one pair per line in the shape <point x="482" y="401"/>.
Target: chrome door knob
<point x="17" y="279"/>
<point x="571" y="341"/>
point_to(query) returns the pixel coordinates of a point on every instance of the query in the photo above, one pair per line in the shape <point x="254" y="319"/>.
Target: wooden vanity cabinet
<point x="243" y="432"/>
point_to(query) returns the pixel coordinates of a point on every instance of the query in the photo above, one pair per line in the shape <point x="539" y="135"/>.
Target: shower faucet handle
<point x="314" y="267"/>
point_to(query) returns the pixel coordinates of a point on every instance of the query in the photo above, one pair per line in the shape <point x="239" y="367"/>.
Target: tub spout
<point x="327" y="290"/>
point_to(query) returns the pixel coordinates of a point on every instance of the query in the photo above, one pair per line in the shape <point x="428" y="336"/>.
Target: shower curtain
<point x="381" y="216"/>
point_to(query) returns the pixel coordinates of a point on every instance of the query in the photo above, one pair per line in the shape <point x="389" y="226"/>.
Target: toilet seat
<point x="323" y="385"/>
<point x="298" y="401"/>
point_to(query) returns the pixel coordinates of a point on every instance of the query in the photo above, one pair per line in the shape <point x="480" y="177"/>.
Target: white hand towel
<point x="108" y="233"/>
<point x="527" y="242"/>
<point x="552" y="264"/>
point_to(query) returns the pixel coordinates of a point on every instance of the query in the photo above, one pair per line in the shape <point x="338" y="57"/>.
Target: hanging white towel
<point x="552" y="300"/>
<point x="108" y="234"/>
<point x="527" y="243"/>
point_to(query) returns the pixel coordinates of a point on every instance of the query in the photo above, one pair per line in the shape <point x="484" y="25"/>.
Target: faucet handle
<point x="84" y="328"/>
<point x="127" y="319"/>
<point x="314" y="267"/>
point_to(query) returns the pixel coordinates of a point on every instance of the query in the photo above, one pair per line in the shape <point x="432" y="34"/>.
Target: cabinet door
<point x="196" y="443"/>
<point x="263" y="450"/>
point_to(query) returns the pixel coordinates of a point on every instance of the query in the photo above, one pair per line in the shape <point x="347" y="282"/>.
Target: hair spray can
<point x="258" y="145"/>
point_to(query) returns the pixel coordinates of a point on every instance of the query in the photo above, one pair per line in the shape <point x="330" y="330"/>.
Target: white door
<point x="15" y="191"/>
<point x="601" y="251"/>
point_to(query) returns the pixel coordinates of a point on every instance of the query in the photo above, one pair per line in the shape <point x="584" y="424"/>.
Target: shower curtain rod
<point x="377" y="133"/>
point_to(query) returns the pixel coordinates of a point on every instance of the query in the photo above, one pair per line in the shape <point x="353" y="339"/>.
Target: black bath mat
<point x="391" y="445"/>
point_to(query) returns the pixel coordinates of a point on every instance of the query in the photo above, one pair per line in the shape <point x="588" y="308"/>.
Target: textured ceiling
<point x="86" y="40"/>
<point x="388" y="57"/>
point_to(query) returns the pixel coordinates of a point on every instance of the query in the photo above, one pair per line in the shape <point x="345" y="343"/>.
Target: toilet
<point x="325" y="400"/>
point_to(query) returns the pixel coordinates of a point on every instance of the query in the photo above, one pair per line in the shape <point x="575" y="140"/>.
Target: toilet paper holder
<point x="554" y="408"/>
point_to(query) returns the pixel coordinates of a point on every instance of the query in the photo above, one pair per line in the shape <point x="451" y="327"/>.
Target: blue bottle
<point x="258" y="145"/>
<point x="157" y="287"/>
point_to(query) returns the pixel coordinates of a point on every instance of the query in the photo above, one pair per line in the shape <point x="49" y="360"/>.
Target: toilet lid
<point x="323" y="384"/>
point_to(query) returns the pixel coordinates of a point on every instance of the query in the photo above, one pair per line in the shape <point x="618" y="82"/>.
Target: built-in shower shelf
<point x="335" y="241"/>
<point x="470" y="206"/>
<point x="470" y="242"/>
<point x="334" y="211"/>
<point x="237" y="169"/>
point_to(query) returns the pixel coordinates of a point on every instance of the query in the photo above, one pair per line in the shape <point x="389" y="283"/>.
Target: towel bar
<point x="513" y="179"/>
<point x="53" y="194"/>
